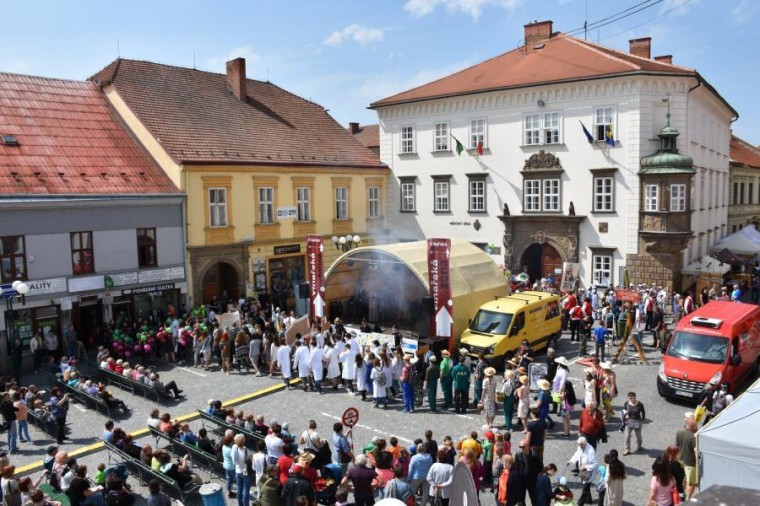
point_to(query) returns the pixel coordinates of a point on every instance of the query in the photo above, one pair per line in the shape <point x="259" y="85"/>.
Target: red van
<point x="721" y="340"/>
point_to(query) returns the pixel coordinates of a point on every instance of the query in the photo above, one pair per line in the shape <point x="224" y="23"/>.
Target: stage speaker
<point x="427" y="305"/>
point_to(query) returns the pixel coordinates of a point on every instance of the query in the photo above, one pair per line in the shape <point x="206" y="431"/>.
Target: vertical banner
<point x="439" y="279"/>
<point x="316" y="273"/>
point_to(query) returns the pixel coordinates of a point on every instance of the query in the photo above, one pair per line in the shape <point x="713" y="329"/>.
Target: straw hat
<point x="524" y="379"/>
<point x="607" y="366"/>
<point x="445" y="353"/>
<point x="544" y="384"/>
<point x="433" y="359"/>
<point x="588" y="370"/>
<point x="305" y="458"/>
<point x="522" y="370"/>
<point x="513" y="361"/>
<point x="489" y="371"/>
<point x="562" y="361"/>
<point x="463" y="351"/>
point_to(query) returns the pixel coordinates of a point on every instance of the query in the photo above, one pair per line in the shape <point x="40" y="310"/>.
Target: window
<point x="303" y="203"/>
<point x="12" y="258"/>
<point x="532" y="195"/>
<point x="678" y="197"/>
<point x="82" y="258"/>
<point x="651" y="197"/>
<point x="407" y="195"/>
<point x="741" y="193"/>
<point x="407" y="139"/>
<point x="602" y="269"/>
<point x="441" y="199"/>
<point x="603" y="119"/>
<point x="146" y="247"/>
<point x="551" y="194"/>
<point x="542" y="128"/>
<point x="477" y="133"/>
<point x="477" y="198"/>
<point x="750" y="193"/>
<point x="441" y="137"/>
<point x="541" y="195"/>
<point x="266" y="204"/>
<point x="373" y="194"/>
<point x="603" y="194"/>
<point x="217" y="203"/>
<point x="341" y="203"/>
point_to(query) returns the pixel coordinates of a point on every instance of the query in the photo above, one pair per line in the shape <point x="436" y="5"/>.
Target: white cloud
<point x="744" y="11"/>
<point x="678" y="7"/>
<point x="217" y="63"/>
<point x="473" y="8"/>
<point x="363" y="35"/>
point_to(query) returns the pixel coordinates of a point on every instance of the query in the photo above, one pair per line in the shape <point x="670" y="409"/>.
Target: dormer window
<point x="9" y="140"/>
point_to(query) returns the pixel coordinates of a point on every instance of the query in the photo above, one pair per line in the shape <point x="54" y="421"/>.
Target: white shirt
<point x="310" y="438"/>
<point x="274" y="446"/>
<point x="585" y="457"/>
<point x="51" y="342"/>
<point x="239" y="456"/>
<point x="283" y="360"/>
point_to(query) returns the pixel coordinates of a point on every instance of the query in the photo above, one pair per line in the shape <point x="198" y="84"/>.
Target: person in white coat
<point x="317" y="365"/>
<point x="347" y="358"/>
<point x="283" y="362"/>
<point x="301" y="361"/>
<point x="333" y="369"/>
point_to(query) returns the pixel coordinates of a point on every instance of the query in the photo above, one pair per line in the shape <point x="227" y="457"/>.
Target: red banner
<point x="316" y="273"/>
<point x="627" y="295"/>
<point x="439" y="280"/>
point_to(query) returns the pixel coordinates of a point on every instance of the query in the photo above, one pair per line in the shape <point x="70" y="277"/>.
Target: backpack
<point x="381" y="378"/>
<point x="570" y="393"/>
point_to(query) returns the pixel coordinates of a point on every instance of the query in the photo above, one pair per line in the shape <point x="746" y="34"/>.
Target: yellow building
<point x="261" y="167"/>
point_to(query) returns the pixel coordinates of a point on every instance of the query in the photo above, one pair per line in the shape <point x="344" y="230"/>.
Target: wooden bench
<point x="125" y="383"/>
<point x="179" y="447"/>
<point x="145" y="473"/>
<point x="88" y="400"/>
<point x="51" y="493"/>
<point x="251" y="438"/>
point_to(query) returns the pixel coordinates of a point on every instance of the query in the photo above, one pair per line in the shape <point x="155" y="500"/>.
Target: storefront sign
<point x="46" y="286"/>
<point x="124" y="278"/>
<point x="316" y="275"/>
<point x="86" y="283"/>
<point x="286" y="213"/>
<point x="439" y="280"/>
<point x="148" y="289"/>
<point x="161" y="275"/>
<point x="288" y="248"/>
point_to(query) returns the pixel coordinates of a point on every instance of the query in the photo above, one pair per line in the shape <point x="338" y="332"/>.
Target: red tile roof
<point x="197" y="119"/>
<point x="744" y="153"/>
<point x="70" y="142"/>
<point x="562" y="58"/>
<point x="368" y="135"/>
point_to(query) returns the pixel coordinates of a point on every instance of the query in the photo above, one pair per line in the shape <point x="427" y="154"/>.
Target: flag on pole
<point x="609" y="139"/>
<point x="587" y="133"/>
<point x="480" y="148"/>
<point x="459" y="147"/>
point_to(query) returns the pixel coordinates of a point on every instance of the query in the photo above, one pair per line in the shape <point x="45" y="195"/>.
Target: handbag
<point x="699" y="413"/>
<point x="676" y="495"/>
<point x="500" y="396"/>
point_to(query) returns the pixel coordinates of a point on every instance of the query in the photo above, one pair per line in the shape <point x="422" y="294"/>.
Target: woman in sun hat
<point x="508" y="388"/>
<point x="559" y="393"/>
<point x="589" y="386"/>
<point x="489" y="395"/>
<point x="523" y="405"/>
<point x="609" y="388"/>
<point x="544" y="401"/>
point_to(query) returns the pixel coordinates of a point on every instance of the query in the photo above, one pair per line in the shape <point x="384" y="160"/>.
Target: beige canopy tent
<point x="388" y="284"/>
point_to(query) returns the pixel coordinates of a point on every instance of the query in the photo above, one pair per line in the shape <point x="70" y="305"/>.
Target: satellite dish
<point x="463" y="486"/>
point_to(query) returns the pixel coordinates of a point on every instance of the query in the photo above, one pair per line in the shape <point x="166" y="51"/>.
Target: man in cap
<point x="431" y="378"/>
<point x="479" y="375"/>
<point x="446" y="379"/>
<point x="296" y="486"/>
<point x="460" y="375"/>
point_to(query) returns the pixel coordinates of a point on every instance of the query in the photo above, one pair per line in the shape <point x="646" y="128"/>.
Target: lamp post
<point x="345" y="243"/>
<point x="17" y="289"/>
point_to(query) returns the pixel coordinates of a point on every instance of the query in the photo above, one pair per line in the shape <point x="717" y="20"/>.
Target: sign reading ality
<point x="439" y="251"/>
<point x="314" y="251"/>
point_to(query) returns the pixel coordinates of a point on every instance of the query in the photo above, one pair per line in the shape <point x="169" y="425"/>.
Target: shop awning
<point x="706" y="265"/>
<point x="744" y="242"/>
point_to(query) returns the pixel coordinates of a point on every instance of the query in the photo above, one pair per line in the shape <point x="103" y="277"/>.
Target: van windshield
<point x="699" y="347"/>
<point x="491" y="322"/>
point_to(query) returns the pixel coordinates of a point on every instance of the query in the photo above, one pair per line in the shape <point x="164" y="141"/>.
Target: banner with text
<point x="439" y="251"/>
<point x="316" y="273"/>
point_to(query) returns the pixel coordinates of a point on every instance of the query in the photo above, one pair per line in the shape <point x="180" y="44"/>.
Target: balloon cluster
<point x="142" y="343"/>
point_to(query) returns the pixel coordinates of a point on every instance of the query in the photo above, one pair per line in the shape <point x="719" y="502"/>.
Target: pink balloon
<point x="147" y="348"/>
<point x="127" y="353"/>
<point x="137" y="348"/>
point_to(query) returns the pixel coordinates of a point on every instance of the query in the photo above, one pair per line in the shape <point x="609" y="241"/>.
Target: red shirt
<point x="591" y="424"/>
<point x="571" y="303"/>
<point x="576" y="313"/>
<point x="284" y="464"/>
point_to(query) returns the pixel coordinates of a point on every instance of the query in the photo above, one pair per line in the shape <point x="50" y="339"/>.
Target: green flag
<point x="459" y="147"/>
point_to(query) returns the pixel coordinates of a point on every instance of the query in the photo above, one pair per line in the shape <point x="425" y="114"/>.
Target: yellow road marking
<point x="80" y="452"/>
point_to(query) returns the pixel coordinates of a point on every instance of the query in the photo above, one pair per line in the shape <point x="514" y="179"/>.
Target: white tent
<point x="706" y="265"/>
<point x="744" y="242"/>
<point x="729" y="446"/>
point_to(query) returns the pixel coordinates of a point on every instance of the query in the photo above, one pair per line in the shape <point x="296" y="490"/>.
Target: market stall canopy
<point x="726" y="459"/>
<point x="398" y="273"/>
<point x="744" y="242"/>
<point x="706" y="265"/>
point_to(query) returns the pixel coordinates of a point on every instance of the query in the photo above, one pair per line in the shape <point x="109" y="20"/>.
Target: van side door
<point x="519" y="330"/>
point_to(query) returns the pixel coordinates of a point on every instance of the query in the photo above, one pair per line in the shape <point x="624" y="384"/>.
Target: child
<point x="100" y="476"/>
<point x="341" y="497"/>
<point x="601" y="485"/>
<point x="487" y="445"/>
<point x="508" y="442"/>
<point x="562" y="494"/>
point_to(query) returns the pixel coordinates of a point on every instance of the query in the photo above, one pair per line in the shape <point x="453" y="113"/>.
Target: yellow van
<point x="500" y="325"/>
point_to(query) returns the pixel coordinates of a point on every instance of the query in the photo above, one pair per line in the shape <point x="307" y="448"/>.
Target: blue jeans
<point x="243" y="489"/>
<point x="97" y="499"/>
<point x="408" y="389"/>
<point x="13" y="435"/>
<point x="229" y="475"/>
<point x="23" y="430"/>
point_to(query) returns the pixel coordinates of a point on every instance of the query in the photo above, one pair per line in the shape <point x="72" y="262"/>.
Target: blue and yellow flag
<point x="609" y="139"/>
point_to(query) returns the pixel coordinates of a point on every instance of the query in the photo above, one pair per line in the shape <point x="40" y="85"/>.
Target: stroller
<point x="327" y="486"/>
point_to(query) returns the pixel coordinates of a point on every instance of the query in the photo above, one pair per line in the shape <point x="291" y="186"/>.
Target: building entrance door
<point x="220" y="278"/>
<point x="542" y="261"/>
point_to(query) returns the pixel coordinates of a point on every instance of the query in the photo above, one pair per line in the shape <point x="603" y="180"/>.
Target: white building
<point x="540" y="193"/>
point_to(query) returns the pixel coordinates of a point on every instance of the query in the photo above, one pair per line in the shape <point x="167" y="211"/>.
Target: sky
<point x="345" y="54"/>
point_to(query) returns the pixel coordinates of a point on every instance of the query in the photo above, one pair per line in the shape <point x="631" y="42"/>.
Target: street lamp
<point x="345" y="243"/>
<point x="18" y="289"/>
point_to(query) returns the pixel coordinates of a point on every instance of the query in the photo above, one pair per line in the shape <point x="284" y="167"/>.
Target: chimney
<point x="236" y="77"/>
<point x="667" y="58"/>
<point x="641" y="47"/>
<point x="354" y="128"/>
<point x="536" y="32"/>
